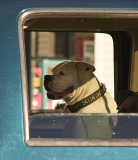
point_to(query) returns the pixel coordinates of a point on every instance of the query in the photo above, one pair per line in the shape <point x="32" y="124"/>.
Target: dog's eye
<point x="61" y="73"/>
<point x="87" y="69"/>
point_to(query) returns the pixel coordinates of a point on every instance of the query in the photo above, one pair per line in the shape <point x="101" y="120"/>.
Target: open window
<point x="103" y="39"/>
<point x="44" y="50"/>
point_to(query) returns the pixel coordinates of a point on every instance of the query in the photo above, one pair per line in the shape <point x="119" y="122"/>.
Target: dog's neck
<point x="83" y="91"/>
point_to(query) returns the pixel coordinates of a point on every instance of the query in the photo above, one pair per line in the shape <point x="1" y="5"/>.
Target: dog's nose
<point x="48" y="77"/>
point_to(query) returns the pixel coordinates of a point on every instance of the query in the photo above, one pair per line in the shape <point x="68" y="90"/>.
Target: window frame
<point x="64" y="13"/>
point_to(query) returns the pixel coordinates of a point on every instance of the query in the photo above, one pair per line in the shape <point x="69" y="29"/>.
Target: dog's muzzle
<point x="52" y="94"/>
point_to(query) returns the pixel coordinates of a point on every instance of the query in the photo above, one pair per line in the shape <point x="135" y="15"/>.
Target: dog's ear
<point x="85" y="70"/>
<point x="89" y="67"/>
<point x="56" y="68"/>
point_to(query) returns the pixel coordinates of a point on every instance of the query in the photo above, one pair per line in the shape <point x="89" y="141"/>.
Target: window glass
<point x="84" y="126"/>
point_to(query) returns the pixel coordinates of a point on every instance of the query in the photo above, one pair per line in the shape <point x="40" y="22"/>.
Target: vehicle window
<point x="102" y="44"/>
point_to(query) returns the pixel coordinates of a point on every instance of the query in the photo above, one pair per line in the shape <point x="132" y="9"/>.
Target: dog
<point x="74" y="81"/>
<point x="128" y="101"/>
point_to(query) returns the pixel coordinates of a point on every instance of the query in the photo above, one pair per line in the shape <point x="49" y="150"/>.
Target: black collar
<point x="88" y="100"/>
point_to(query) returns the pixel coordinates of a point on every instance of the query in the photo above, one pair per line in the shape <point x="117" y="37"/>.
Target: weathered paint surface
<point x="12" y="145"/>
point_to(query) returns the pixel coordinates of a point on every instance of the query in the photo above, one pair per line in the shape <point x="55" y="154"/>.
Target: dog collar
<point x="88" y="100"/>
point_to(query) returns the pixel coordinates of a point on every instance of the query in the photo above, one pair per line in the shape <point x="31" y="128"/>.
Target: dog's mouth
<point x="55" y="95"/>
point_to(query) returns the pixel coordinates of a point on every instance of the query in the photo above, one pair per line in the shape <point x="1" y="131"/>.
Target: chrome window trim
<point x="64" y="13"/>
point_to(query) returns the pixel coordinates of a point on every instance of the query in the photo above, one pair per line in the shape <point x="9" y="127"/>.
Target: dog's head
<point x="66" y="77"/>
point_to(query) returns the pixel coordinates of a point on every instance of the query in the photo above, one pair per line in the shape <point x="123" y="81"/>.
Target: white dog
<point x="76" y="83"/>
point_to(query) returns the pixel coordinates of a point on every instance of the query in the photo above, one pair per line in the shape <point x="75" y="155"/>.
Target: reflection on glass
<point x="85" y="126"/>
